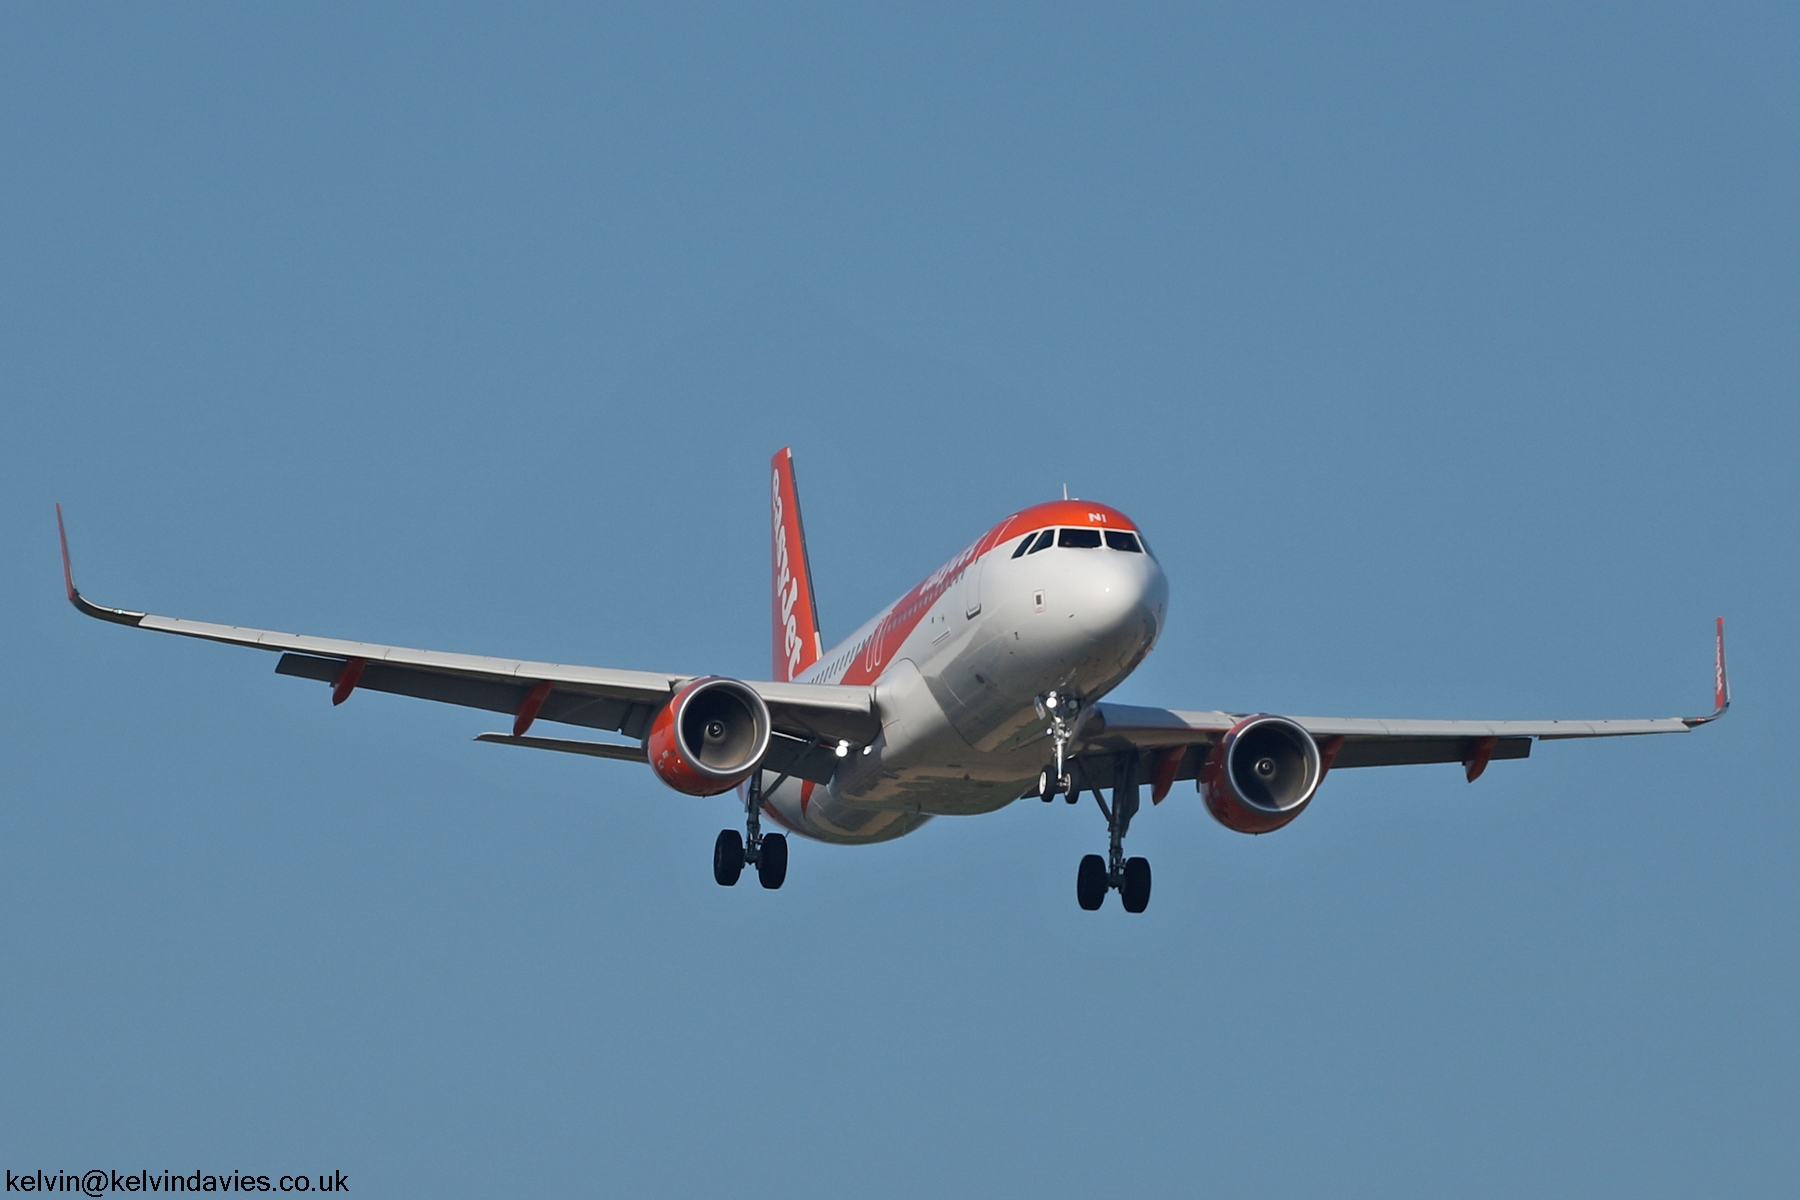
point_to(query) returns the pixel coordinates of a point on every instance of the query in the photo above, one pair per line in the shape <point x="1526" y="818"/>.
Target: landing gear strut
<point x="1060" y="710"/>
<point x="1131" y="876"/>
<point x="767" y="852"/>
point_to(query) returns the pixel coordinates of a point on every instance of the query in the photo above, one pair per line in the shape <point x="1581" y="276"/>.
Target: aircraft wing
<point x="596" y="697"/>
<point x="1168" y="745"/>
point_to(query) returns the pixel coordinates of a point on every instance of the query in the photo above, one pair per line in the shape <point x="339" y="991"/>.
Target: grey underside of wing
<point x="594" y="697"/>
<point x="1121" y="737"/>
<point x="627" y="712"/>
<point x="798" y="757"/>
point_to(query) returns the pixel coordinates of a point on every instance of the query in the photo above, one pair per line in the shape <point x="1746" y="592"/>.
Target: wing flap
<point x="1121" y="726"/>
<point x="634" y="685"/>
<point x="1104" y="765"/>
<point x="491" y="694"/>
<point x="1110" y="731"/>
<point x="826" y="712"/>
<point x="833" y="717"/>
<point x="1362" y="727"/>
<point x="794" y="757"/>
<point x="1401" y="751"/>
<point x="1127" y="724"/>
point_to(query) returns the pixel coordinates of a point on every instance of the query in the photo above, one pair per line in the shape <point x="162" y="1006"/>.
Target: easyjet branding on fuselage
<point x="908" y="611"/>
<point x="943" y="576"/>
<point x="862" y="662"/>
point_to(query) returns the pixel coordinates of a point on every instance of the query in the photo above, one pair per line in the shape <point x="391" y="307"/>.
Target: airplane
<point x="982" y="685"/>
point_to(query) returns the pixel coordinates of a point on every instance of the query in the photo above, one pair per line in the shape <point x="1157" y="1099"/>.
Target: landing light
<point x="843" y="749"/>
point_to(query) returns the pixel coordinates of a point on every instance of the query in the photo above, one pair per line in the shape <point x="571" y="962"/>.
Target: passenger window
<point x="1118" y="539"/>
<point x="1081" y="539"/>
<point x="1044" y="539"/>
<point x="1024" y="545"/>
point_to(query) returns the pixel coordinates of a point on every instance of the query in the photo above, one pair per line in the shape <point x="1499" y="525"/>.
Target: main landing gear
<point x="1131" y="876"/>
<point x="1096" y="876"/>
<point x="767" y="852"/>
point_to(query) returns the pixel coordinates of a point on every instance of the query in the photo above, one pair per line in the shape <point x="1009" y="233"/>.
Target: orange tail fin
<point x="795" y="613"/>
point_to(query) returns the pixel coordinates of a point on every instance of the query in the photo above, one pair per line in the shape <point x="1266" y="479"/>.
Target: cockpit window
<point x="1044" y="539"/>
<point x="1081" y="539"/>
<point x="1118" y="539"/>
<point x="1024" y="545"/>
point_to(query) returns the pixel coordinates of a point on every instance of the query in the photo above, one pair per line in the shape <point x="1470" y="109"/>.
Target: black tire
<point x="771" y="867"/>
<point x="1134" y="889"/>
<point x="728" y="857"/>
<point x="1090" y="882"/>
<point x="1046" y="788"/>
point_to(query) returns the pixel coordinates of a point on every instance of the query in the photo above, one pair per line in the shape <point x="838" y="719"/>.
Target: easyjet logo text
<point x="787" y="587"/>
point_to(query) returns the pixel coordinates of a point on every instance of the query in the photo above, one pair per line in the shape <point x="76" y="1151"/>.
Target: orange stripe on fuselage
<point x="906" y="613"/>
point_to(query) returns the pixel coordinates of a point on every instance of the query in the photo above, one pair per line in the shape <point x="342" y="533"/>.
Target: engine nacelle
<point x="709" y="736"/>
<point x="1261" y="775"/>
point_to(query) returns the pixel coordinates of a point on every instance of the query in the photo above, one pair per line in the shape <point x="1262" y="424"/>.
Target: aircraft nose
<point x="1124" y="596"/>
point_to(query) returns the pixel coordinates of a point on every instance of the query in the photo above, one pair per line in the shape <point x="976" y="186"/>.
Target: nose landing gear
<point x="1061" y="710"/>
<point x="1131" y="876"/>
<point x="767" y="852"/>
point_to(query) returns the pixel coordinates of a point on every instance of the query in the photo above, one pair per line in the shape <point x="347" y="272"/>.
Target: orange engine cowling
<point x="1261" y="775"/>
<point x="709" y="736"/>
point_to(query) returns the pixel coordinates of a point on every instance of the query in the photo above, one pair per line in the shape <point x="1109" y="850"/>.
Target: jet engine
<point x="709" y="736"/>
<point x="1261" y="774"/>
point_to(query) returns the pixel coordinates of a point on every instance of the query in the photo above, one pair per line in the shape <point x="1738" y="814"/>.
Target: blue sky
<point x="1447" y="354"/>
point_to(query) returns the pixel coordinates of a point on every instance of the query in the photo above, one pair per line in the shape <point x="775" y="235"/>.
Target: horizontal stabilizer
<point x="568" y="746"/>
<point x="797" y="757"/>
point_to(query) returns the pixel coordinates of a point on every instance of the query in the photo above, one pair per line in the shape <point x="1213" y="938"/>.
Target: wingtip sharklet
<point x="82" y="604"/>
<point x="62" y="536"/>
<point x="1721" y="681"/>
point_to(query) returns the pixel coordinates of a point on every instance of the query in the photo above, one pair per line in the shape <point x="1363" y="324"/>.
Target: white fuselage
<point x="958" y="666"/>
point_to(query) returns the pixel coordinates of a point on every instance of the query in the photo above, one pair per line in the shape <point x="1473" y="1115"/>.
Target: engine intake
<point x="1261" y="774"/>
<point x="709" y="736"/>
